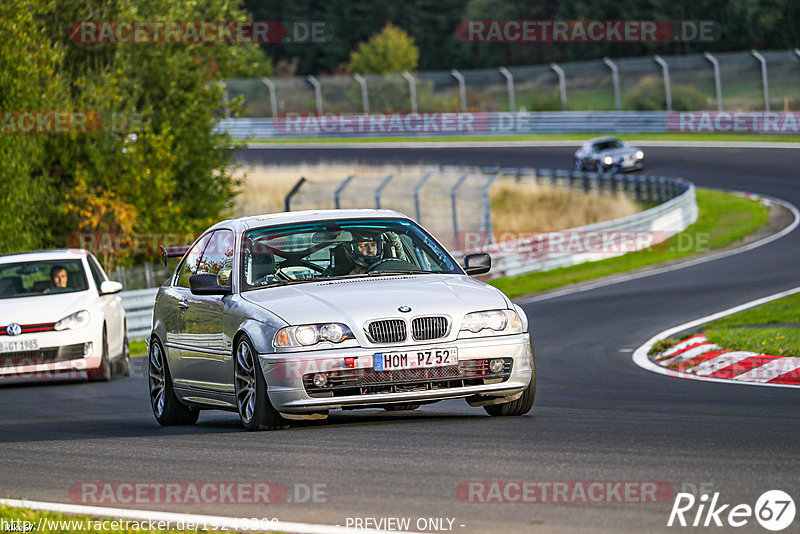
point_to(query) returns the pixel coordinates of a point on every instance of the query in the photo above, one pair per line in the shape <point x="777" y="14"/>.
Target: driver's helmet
<point x="365" y="249"/>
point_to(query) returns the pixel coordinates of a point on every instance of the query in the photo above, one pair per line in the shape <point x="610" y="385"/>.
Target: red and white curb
<point x="696" y="358"/>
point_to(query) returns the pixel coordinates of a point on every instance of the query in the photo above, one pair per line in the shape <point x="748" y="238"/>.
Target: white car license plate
<point x="16" y="346"/>
<point x="415" y="359"/>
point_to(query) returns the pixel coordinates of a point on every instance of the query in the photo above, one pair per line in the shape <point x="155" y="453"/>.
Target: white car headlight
<point x="73" y="321"/>
<point x="490" y="322"/>
<point x="639" y="154"/>
<point x="307" y="335"/>
<point x="608" y="160"/>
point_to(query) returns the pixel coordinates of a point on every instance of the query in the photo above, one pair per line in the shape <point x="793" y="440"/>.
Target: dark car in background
<point x="608" y="154"/>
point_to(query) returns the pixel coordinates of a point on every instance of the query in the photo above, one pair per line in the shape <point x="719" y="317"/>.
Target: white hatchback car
<point x="60" y="317"/>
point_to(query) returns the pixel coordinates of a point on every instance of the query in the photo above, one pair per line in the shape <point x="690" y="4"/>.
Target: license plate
<point x="415" y="359"/>
<point x="16" y="346"/>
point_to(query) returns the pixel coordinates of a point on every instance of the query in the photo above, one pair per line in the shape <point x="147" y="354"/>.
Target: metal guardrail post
<point x="667" y="87"/>
<point x="717" y="81"/>
<point x="562" y="84"/>
<point x="226" y="109"/>
<point x="364" y="92"/>
<point x="317" y="92"/>
<point x="486" y="208"/>
<point x="764" y="79"/>
<point x="417" y="188"/>
<point x="287" y="202"/>
<point x="512" y="97"/>
<point x="462" y="88"/>
<point x="412" y="90"/>
<point x="453" y="192"/>
<point x="379" y="190"/>
<point x="337" y="194"/>
<point x="614" y="82"/>
<point x="273" y="99"/>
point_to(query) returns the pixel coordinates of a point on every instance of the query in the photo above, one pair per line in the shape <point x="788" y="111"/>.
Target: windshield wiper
<point x="399" y="271"/>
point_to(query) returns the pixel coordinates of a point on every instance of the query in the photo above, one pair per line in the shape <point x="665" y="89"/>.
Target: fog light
<point x="496" y="365"/>
<point x="320" y="380"/>
<point x="87" y="349"/>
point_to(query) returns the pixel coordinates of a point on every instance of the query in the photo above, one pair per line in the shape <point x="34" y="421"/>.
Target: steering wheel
<point x="398" y="264"/>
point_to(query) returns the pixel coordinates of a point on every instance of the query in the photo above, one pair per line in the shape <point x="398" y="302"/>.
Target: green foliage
<point x="772" y="341"/>
<point x="785" y="310"/>
<point x="156" y="165"/>
<point x="649" y="95"/>
<point x="391" y="50"/>
<point x="540" y="101"/>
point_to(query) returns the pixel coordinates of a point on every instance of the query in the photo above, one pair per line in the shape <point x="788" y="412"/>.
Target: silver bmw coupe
<point x="287" y="316"/>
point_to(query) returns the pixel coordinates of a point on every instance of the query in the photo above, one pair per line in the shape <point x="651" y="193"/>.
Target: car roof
<point x="40" y="255"/>
<point x="293" y="217"/>
<point x="602" y="140"/>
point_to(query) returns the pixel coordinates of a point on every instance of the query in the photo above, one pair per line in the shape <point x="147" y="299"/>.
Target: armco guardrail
<point x="332" y="126"/>
<point x="138" y="306"/>
<point x="598" y="241"/>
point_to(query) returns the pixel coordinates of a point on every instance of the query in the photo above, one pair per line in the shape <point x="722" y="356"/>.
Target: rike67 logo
<point x="774" y="510"/>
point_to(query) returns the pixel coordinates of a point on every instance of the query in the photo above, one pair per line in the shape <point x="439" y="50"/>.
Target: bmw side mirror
<point x="109" y="287"/>
<point x="478" y="263"/>
<point x="207" y="284"/>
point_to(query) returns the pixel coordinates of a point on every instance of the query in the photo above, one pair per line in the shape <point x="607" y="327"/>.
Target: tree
<point x="391" y="50"/>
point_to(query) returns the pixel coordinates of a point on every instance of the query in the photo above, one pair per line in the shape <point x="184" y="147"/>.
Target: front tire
<point x="166" y="407"/>
<point x="124" y="368"/>
<point x="522" y="405"/>
<point x="103" y="372"/>
<point x="252" y="401"/>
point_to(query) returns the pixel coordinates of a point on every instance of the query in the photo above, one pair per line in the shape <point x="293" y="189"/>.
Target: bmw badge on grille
<point x="404" y="309"/>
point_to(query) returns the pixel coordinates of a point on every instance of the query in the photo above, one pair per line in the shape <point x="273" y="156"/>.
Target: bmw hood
<point x="42" y="308"/>
<point x="357" y="300"/>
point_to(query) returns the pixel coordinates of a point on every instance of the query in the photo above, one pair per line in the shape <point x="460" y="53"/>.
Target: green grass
<point x="773" y="341"/>
<point x="138" y="348"/>
<point x="761" y="329"/>
<point x="723" y="220"/>
<point x="9" y="514"/>
<point x="785" y="310"/>
<point x="690" y="137"/>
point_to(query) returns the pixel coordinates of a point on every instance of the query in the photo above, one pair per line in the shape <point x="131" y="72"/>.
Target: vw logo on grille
<point x="404" y="309"/>
<point x="13" y="329"/>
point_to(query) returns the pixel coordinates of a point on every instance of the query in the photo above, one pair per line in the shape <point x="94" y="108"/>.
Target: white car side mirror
<point x="110" y="287"/>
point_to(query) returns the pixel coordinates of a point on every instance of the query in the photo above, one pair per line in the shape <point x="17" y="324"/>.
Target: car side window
<point x="218" y="257"/>
<point x="97" y="272"/>
<point x="188" y="266"/>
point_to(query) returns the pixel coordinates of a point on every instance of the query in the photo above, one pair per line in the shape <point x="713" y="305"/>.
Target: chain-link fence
<point x="731" y="81"/>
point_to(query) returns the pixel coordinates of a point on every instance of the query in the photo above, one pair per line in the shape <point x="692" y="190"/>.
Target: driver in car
<point x="364" y="251"/>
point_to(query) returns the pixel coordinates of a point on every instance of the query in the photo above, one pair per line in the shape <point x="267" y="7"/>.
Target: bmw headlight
<point x="639" y="154"/>
<point x="490" y="322"/>
<point x="608" y="160"/>
<point x="73" y="321"/>
<point x="307" y="335"/>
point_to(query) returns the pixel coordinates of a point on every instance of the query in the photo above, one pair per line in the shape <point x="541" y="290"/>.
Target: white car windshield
<point x="50" y="277"/>
<point x="336" y="249"/>
<point x="608" y="145"/>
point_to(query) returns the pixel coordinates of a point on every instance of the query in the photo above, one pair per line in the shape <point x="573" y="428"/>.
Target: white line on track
<point x="220" y="522"/>
<point x="660" y="270"/>
<point x="640" y="355"/>
<point x="513" y="144"/>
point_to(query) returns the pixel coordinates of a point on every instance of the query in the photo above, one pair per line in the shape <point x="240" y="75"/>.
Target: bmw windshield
<point x="335" y="249"/>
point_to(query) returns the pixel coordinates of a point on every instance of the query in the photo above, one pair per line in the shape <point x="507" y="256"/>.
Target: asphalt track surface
<point x="597" y="415"/>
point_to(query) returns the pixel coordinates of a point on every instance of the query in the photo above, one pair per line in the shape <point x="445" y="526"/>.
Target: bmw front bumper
<point x="287" y="375"/>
